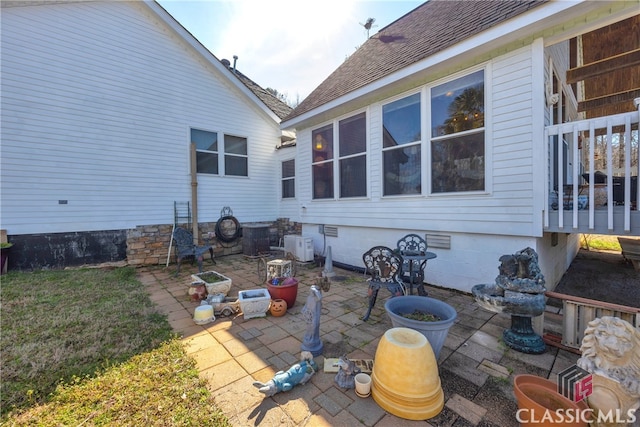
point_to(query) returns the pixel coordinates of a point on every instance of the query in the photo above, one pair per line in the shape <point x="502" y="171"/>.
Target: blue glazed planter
<point x="435" y="332"/>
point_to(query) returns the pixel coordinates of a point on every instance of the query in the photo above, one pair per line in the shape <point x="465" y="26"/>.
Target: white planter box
<point x="254" y="302"/>
<point x="215" y="282"/>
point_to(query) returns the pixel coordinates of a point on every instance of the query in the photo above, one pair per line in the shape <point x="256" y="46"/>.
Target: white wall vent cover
<point x="438" y="241"/>
<point x="331" y="231"/>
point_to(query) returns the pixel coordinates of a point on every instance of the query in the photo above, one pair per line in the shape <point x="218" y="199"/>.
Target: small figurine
<point x="345" y="377"/>
<point x="299" y="373"/>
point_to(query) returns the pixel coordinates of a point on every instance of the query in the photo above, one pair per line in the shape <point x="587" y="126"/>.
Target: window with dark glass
<point x="206" y="151"/>
<point x="288" y="179"/>
<point x="352" y="143"/>
<point x="401" y="154"/>
<point x="457" y="135"/>
<point x="236" y="160"/>
<point x="322" y="162"/>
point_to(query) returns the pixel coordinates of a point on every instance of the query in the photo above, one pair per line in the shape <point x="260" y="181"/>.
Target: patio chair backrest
<point x="412" y="244"/>
<point x="184" y="241"/>
<point x="383" y="264"/>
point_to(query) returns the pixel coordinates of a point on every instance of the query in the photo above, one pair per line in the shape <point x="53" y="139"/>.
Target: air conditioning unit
<point x="301" y="247"/>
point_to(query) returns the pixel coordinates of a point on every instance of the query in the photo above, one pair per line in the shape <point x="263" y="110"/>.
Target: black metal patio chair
<point x="385" y="267"/>
<point x="412" y="245"/>
<point x="185" y="248"/>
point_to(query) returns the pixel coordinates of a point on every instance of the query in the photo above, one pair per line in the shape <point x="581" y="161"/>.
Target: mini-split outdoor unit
<point x="301" y="247"/>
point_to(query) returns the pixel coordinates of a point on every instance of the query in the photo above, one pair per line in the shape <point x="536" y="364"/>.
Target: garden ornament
<point x="345" y="377"/>
<point x="611" y="353"/>
<point x="311" y="314"/>
<point x="299" y="373"/>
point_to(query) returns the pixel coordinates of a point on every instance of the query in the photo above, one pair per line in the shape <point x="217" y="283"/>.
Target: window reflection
<point x="401" y="146"/>
<point x="322" y="151"/>
<point x="401" y="121"/>
<point x="458" y="141"/>
<point x="458" y="105"/>
<point x="352" y="137"/>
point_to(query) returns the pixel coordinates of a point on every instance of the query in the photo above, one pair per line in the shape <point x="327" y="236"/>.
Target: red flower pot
<point x="285" y="289"/>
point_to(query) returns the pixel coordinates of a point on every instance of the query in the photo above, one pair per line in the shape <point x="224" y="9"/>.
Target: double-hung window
<point x="352" y="137"/>
<point x="322" y="165"/>
<point x="458" y="135"/>
<point x="206" y="151"/>
<point x="209" y="152"/>
<point x="236" y="159"/>
<point x="289" y="179"/>
<point x="351" y="163"/>
<point x="401" y="139"/>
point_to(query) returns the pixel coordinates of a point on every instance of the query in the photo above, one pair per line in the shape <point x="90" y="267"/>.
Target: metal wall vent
<point x="331" y="231"/>
<point x="438" y="241"/>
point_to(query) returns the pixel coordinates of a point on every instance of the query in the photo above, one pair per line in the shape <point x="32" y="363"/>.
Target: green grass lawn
<point x="599" y="242"/>
<point x="88" y="347"/>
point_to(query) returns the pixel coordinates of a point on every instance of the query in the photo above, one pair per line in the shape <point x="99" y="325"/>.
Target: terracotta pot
<point x="405" y="379"/>
<point x="278" y="307"/>
<point x="287" y="292"/>
<point x="538" y="401"/>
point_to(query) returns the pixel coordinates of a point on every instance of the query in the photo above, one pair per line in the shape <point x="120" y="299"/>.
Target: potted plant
<point x="4" y="256"/>
<point x="429" y="316"/>
<point x="215" y="282"/>
<point x="285" y="288"/>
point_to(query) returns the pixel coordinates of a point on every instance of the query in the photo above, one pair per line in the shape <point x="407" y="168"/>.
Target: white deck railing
<point x="583" y="133"/>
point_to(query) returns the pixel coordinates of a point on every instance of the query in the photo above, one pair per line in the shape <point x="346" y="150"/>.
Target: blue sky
<point x="288" y="45"/>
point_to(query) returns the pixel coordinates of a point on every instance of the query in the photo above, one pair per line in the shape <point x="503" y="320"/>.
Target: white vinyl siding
<point x="506" y="207"/>
<point x="98" y="99"/>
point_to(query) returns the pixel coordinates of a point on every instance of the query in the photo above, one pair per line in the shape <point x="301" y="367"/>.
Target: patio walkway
<point x="475" y="368"/>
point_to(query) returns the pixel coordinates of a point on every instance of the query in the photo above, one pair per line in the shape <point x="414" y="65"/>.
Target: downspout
<point x="194" y="191"/>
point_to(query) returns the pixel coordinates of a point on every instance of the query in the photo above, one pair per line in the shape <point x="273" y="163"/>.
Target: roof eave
<point x="519" y="27"/>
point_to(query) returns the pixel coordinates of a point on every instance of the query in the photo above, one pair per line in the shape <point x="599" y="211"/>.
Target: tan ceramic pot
<point x="405" y="379"/>
<point x="278" y="307"/>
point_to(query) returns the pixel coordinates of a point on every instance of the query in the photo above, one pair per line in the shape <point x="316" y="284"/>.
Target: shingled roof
<point x="280" y="108"/>
<point x="428" y="29"/>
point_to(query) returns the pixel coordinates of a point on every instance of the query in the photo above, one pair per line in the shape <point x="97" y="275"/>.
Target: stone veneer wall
<point x="148" y="245"/>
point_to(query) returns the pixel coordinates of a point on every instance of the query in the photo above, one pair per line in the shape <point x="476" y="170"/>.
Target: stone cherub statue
<point x="611" y="353"/>
<point x="345" y="377"/>
<point x="299" y="373"/>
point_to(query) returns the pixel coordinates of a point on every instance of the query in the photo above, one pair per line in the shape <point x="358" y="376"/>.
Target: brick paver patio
<point x="475" y="368"/>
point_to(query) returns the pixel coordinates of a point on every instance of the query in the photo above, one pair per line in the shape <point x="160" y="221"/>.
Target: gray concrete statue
<point x="346" y="375"/>
<point x="311" y="313"/>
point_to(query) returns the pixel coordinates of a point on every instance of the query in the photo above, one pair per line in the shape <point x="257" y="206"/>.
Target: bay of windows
<point x="455" y="144"/>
